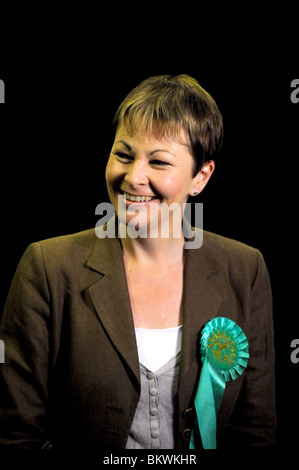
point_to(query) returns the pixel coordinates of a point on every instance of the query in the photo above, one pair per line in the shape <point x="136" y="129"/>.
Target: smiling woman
<point x="149" y="170"/>
<point x="166" y="132"/>
<point x="103" y="336"/>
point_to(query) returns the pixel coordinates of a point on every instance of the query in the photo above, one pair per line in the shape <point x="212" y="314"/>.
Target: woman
<point x="104" y="336"/>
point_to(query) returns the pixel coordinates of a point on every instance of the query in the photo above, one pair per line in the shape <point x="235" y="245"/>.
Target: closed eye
<point x="124" y="156"/>
<point x="160" y="163"/>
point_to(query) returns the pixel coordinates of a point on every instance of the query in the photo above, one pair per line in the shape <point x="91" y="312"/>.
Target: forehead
<point x="139" y="137"/>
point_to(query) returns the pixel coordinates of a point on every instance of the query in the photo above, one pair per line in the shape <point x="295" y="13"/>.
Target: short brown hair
<point x="164" y="104"/>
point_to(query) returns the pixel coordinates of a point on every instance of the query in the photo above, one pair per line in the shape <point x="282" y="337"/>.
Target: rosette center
<point x="222" y="348"/>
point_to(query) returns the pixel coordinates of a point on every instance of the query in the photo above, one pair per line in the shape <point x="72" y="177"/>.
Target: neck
<point x="153" y="250"/>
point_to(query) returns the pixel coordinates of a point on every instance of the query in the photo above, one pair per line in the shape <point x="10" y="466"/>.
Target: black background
<point x="63" y="82"/>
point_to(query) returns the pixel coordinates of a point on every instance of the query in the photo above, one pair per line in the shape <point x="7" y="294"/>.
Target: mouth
<point x="138" y="198"/>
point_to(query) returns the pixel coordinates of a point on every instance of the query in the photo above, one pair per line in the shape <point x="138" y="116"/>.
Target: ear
<point x="200" y="180"/>
<point x="202" y="177"/>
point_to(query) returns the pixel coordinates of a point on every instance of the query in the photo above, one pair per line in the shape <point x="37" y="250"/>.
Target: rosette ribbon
<point x="224" y="354"/>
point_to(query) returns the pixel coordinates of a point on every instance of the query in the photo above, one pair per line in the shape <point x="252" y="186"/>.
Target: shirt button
<point x="154" y="411"/>
<point x="155" y="434"/>
<point x="153" y="391"/>
<point x="186" y="434"/>
<point x="150" y="375"/>
<point x="188" y="412"/>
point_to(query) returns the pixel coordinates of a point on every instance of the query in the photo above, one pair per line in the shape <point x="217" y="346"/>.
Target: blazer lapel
<point x="201" y="301"/>
<point x="110" y="297"/>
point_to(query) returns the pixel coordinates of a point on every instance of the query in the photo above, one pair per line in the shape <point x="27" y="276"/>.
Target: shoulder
<point x="75" y="253"/>
<point x="233" y="255"/>
<point x="61" y="249"/>
<point x="224" y="246"/>
<point x="79" y="239"/>
<point x="242" y="269"/>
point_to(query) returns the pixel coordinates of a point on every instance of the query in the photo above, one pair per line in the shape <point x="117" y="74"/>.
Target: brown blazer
<point x="71" y="372"/>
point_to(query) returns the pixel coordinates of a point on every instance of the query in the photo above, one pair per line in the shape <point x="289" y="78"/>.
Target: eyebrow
<point x="151" y="153"/>
<point x="125" y="144"/>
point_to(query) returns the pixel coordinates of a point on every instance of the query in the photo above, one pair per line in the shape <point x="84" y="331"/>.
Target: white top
<point x="157" y="347"/>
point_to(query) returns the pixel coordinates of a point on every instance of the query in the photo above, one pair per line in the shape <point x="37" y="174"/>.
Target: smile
<point x="130" y="197"/>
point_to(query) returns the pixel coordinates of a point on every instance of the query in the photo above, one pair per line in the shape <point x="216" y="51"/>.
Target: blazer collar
<point x="106" y="250"/>
<point x="110" y="297"/>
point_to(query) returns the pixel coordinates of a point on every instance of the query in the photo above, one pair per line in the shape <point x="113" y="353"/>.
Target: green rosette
<point x="224" y="354"/>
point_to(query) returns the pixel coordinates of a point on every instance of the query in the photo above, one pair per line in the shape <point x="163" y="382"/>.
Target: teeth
<point x="129" y="197"/>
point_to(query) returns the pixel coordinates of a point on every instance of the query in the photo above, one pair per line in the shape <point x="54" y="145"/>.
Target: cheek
<point x="165" y="184"/>
<point x="111" y="174"/>
<point x="108" y="170"/>
<point x="173" y="185"/>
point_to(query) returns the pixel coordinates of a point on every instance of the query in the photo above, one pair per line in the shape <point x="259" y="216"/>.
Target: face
<point x="143" y="171"/>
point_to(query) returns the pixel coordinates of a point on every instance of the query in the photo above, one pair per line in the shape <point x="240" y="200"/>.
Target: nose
<point x="136" y="174"/>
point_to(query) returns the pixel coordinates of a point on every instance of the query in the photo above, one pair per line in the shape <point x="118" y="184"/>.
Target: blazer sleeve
<point x="23" y="376"/>
<point x="253" y="421"/>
